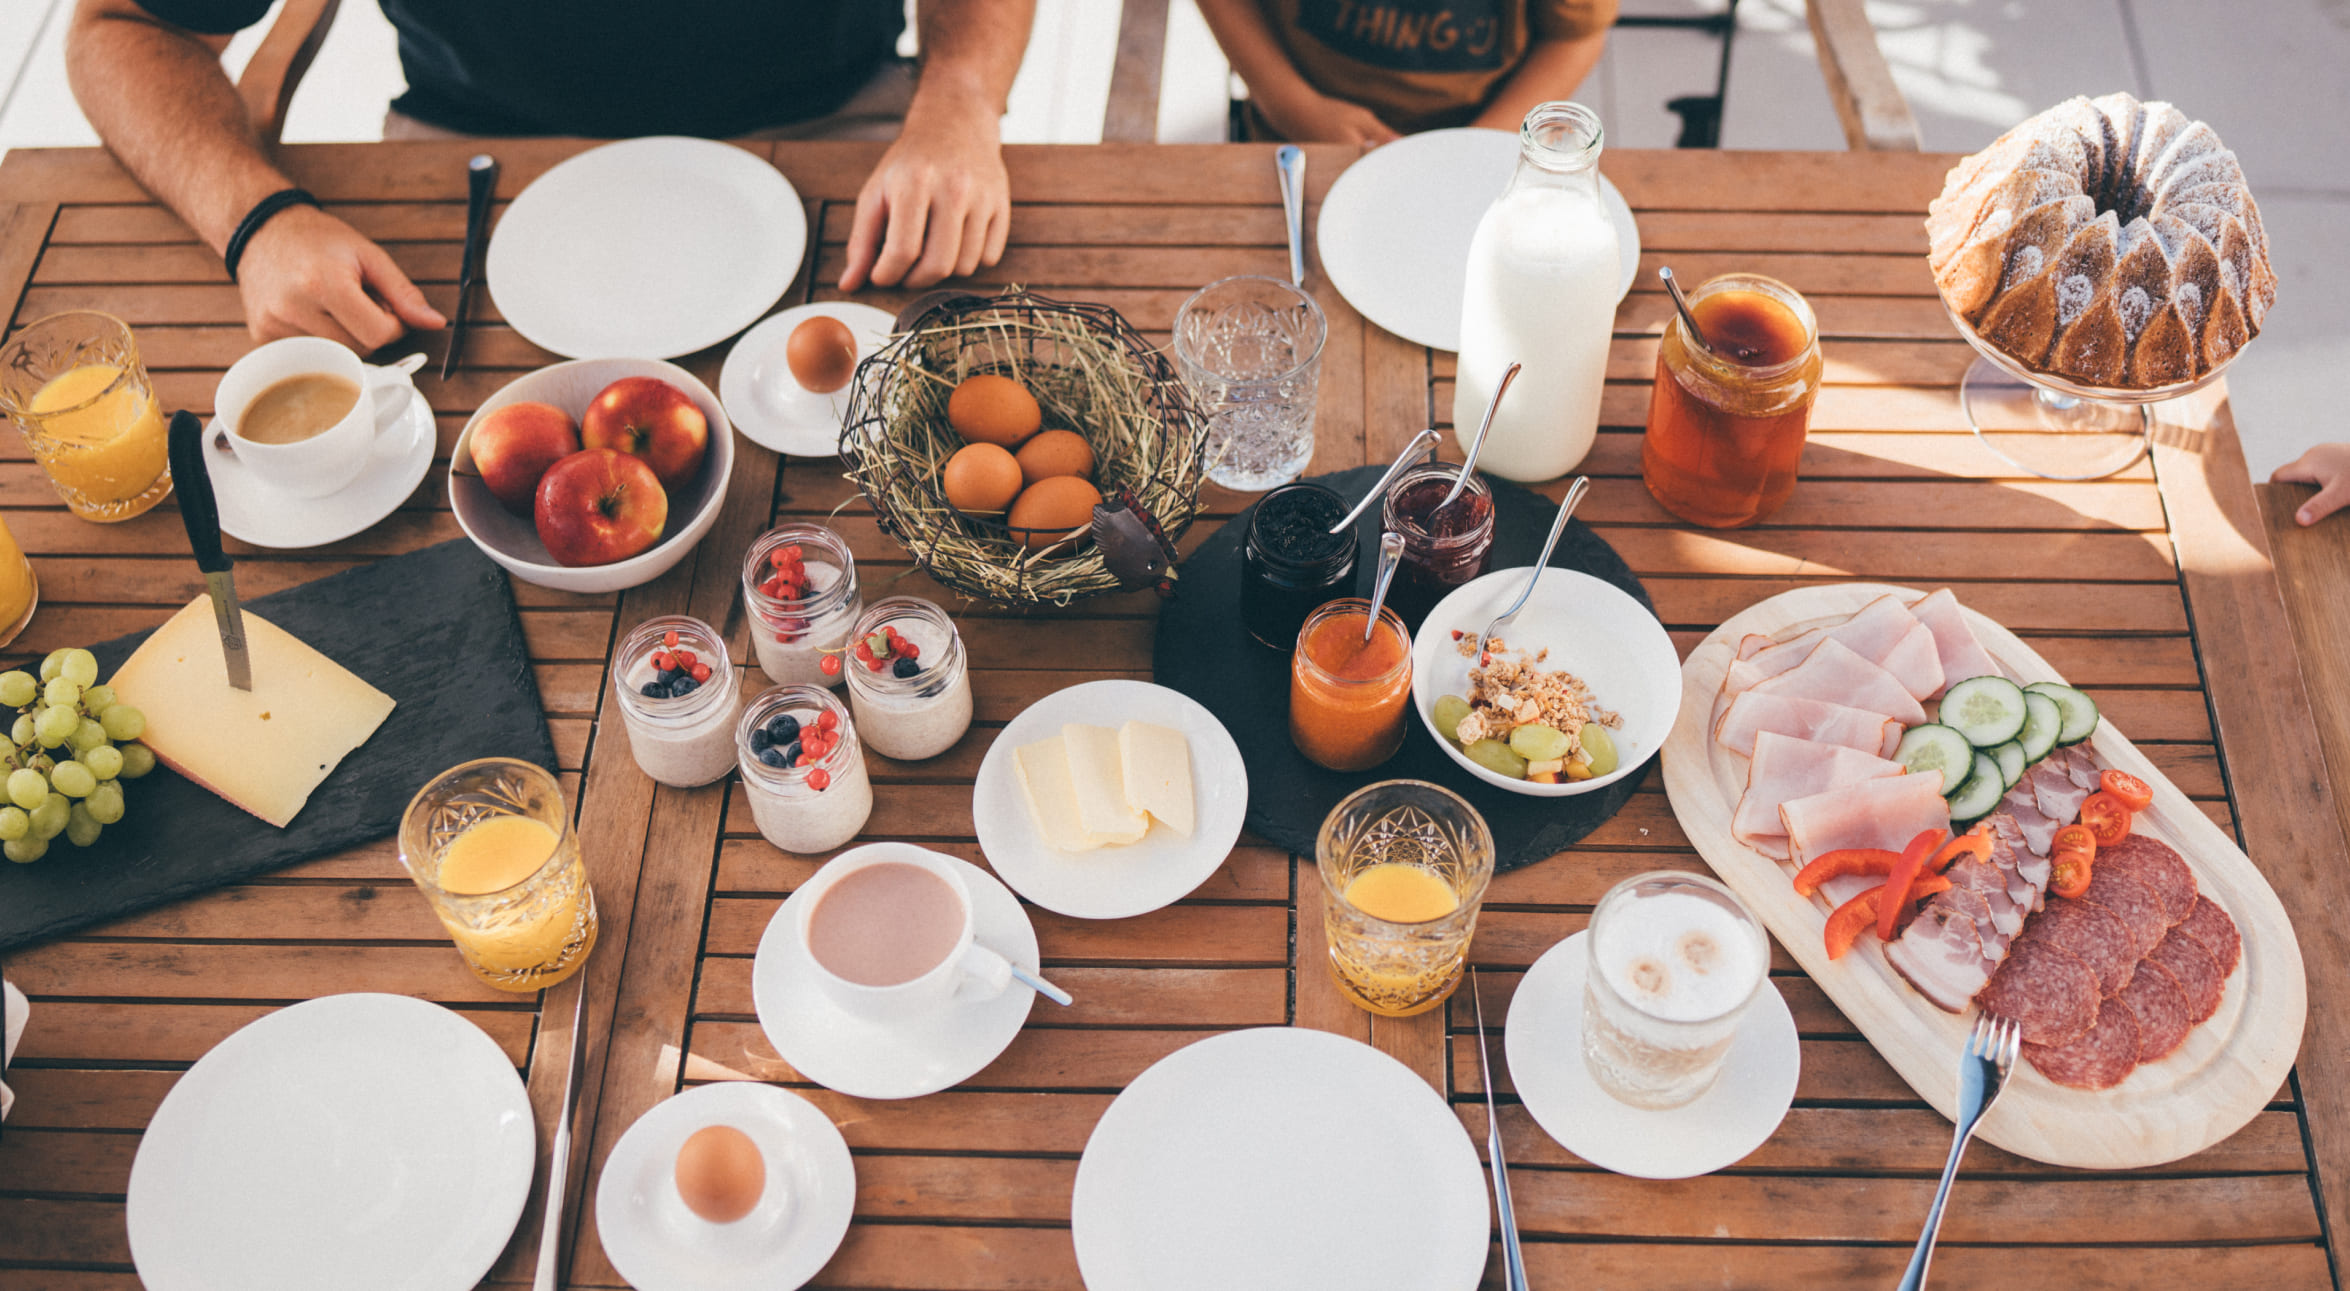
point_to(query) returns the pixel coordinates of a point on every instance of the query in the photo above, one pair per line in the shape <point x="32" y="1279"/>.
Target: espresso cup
<point x="904" y="950"/>
<point x="329" y="460"/>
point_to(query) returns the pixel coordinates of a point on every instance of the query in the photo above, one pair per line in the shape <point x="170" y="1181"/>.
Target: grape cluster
<point x="71" y="748"/>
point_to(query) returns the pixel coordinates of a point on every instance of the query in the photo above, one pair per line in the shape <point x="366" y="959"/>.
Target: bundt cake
<point x="2107" y="241"/>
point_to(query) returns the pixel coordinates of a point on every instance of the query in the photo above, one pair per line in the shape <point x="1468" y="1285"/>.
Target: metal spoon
<point x="1681" y="303"/>
<point x="1477" y="445"/>
<point x="1425" y="439"/>
<point x="1390" y="552"/>
<point x="1290" y="160"/>
<point x="1567" y="506"/>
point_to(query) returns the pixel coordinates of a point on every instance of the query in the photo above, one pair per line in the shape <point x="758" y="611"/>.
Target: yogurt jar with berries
<point x="800" y="591"/>
<point x="678" y="699"/>
<point x="803" y="769"/>
<point x="909" y="686"/>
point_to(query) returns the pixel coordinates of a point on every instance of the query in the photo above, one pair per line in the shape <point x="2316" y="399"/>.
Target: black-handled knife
<point x="481" y="185"/>
<point x="200" y="511"/>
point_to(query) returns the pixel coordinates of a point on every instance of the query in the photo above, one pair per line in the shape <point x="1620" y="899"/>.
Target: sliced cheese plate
<point x="2228" y="1068"/>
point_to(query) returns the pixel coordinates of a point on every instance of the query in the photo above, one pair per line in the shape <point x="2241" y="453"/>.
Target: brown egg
<point x="822" y="354"/>
<point x="981" y="477"/>
<point x="1052" y="507"/>
<point x="720" y="1173"/>
<point x="1055" y="452"/>
<point x="988" y="409"/>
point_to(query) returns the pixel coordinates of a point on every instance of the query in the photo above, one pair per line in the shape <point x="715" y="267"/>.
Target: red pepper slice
<point x="1905" y="872"/>
<point x="1845" y="924"/>
<point x="2106" y="817"/>
<point x="1975" y="842"/>
<point x="1843" y="861"/>
<point x="2072" y="855"/>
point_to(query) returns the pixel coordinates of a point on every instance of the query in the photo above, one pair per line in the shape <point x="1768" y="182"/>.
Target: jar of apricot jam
<point x="1348" y="697"/>
<point x="1726" y="428"/>
<point x="1290" y="562"/>
<point x="1442" y="549"/>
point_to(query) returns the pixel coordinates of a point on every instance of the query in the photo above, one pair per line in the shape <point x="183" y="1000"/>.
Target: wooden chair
<point x="286" y="51"/>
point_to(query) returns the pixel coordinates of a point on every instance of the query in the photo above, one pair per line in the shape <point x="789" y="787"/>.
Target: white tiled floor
<point x="2267" y="74"/>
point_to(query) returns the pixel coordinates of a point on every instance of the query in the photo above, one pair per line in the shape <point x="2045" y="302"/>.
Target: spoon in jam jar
<point x="1567" y="505"/>
<point x="1424" y="440"/>
<point x="1476" y="445"/>
<point x="1390" y="555"/>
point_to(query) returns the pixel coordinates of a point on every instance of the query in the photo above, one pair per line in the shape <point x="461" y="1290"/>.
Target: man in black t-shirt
<point x="148" y="76"/>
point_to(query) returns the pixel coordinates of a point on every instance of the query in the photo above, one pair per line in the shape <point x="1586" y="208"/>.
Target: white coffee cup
<point x="968" y="972"/>
<point x="328" y="461"/>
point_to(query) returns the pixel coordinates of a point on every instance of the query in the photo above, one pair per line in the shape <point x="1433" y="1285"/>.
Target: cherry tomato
<point x="2135" y="794"/>
<point x="2072" y="855"/>
<point x="2106" y="817"/>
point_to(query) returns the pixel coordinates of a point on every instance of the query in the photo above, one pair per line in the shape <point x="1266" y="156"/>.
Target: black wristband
<point x="262" y="213"/>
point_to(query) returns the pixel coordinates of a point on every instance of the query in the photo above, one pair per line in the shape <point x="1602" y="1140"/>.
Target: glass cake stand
<point x="2054" y="428"/>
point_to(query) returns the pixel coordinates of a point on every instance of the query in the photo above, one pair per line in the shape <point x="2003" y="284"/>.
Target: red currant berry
<point x="819" y="779"/>
<point x="830" y="666"/>
<point x="827" y="720"/>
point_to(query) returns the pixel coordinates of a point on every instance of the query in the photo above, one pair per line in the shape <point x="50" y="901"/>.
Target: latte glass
<point x="1673" y="962"/>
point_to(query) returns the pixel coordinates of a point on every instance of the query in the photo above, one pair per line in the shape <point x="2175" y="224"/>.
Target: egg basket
<point x="1092" y="373"/>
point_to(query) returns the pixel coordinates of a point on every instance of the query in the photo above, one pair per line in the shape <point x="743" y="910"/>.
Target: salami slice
<point x="2197" y="971"/>
<point x="2160" y="1006"/>
<point x="2095" y="935"/>
<point x="2099" y="1059"/>
<point x="2137" y="905"/>
<point x="2153" y="863"/>
<point x="2211" y="926"/>
<point x="2048" y="993"/>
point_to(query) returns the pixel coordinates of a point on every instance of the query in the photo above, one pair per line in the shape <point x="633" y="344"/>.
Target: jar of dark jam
<point x="1441" y="549"/>
<point x="1290" y="562"/>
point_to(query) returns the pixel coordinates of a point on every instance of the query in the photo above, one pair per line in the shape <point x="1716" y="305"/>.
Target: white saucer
<point x="1544" y="1044"/>
<point x="253" y="512"/>
<point x="867" y="1059"/>
<point x="659" y="1245"/>
<point x="769" y="406"/>
<point x="1111" y="882"/>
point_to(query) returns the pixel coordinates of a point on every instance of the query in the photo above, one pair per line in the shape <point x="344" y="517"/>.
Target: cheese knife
<point x="481" y="184"/>
<point x="200" y="511"/>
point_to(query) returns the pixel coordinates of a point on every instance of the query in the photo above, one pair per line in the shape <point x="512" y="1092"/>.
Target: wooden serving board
<point x="2228" y="1068"/>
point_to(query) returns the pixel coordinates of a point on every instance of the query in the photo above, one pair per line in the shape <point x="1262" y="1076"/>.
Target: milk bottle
<point x="1542" y="292"/>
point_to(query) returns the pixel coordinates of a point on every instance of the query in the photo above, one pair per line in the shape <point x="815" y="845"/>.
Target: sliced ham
<point x="1916" y="662"/>
<point x="1941" y="954"/>
<point x="1786" y="768"/>
<point x="2078" y="765"/>
<point x="1806" y="719"/>
<point x="1872" y="632"/>
<point x="2053" y="791"/>
<point x="1752" y="644"/>
<point x="1835" y="673"/>
<point x="2039" y="832"/>
<point x="1962" y="656"/>
<point x="1883" y="813"/>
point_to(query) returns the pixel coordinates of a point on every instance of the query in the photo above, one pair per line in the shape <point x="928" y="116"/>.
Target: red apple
<point x="598" y="506"/>
<point x="651" y="419"/>
<point x="513" y="446"/>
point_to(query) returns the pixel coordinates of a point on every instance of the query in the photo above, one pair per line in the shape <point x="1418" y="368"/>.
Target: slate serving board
<point x="1203" y="651"/>
<point x="435" y="629"/>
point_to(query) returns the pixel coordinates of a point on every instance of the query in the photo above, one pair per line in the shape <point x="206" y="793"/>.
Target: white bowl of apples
<point x="593" y="475"/>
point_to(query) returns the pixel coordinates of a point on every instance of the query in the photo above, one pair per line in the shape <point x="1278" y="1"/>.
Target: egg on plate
<point x="821" y="353"/>
<point x="720" y="1173"/>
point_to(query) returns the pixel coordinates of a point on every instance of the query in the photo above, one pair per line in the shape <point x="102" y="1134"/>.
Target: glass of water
<point x="1674" y="960"/>
<point x="1250" y="348"/>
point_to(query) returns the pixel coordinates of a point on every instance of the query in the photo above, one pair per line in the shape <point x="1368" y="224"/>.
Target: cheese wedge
<point x="1101" y="787"/>
<point x="1052" y="794"/>
<point x="1155" y="764"/>
<point x="267" y="749"/>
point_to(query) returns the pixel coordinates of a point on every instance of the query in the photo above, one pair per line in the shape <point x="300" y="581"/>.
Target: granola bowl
<point x="1580" y="648"/>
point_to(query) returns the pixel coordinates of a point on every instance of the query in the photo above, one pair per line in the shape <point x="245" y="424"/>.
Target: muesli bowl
<point x="1592" y="629"/>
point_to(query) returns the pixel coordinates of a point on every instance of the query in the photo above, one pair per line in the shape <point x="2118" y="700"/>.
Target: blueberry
<point x="775" y="757"/>
<point x="654" y="689"/>
<point x="791" y="753"/>
<point x="683" y="686"/>
<point x="783" y="728"/>
<point x="933" y="690"/>
<point x="904" y="668"/>
<point x="759" y="740"/>
<point x="674" y="675"/>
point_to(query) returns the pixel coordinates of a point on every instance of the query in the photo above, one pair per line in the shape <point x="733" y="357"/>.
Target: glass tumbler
<point x="1250" y="348"/>
<point x="1673" y="962"/>
<point x="1404" y="865"/>
<point x="520" y="911"/>
<point x="73" y="383"/>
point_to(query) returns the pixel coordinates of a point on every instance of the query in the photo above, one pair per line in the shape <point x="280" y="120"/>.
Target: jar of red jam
<point x="1290" y="562"/>
<point x="1349" y="694"/>
<point x="1441" y="549"/>
<point x="1726" y="428"/>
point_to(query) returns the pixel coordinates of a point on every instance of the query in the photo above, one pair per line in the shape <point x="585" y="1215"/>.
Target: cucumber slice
<point x="2080" y="711"/>
<point x="1981" y="792"/>
<point x="2011" y="759"/>
<point x="1934" y="747"/>
<point x="1986" y="710"/>
<point x="2042" y="721"/>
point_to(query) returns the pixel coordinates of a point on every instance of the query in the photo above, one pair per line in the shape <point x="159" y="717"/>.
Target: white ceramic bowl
<point x="1593" y="629"/>
<point x="512" y="540"/>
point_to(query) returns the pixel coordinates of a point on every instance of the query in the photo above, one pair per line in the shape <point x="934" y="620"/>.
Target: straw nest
<point x="1090" y="371"/>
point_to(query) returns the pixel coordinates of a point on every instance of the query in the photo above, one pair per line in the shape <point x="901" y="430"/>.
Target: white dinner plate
<point x="253" y="512"/>
<point x="1544" y="1045"/>
<point x="769" y="406"/>
<point x="656" y="1243"/>
<point x="646" y="249"/>
<point x="1111" y="882"/>
<point x="1395" y="228"/>
<point x="1279" y="1159"/>
<point x="353" y="1141"/>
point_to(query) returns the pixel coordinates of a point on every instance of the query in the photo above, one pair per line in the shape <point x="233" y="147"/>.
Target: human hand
<point x="939" y="205"/>
<point x="1310" y="116"/>
<point x="2328" y="467"/>
<point x="306" y="273"/>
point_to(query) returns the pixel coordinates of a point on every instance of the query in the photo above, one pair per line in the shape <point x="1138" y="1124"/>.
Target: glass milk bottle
<point x="1542" y="292"/>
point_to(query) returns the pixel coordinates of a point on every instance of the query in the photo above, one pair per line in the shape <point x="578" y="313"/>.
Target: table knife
<point x="481" y="184"/>
<point x="1513" y="1258"/>
<point x="200" y="511"/>
<point x="549" y="1274"/>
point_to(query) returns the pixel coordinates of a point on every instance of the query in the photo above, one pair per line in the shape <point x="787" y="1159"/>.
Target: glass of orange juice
<point x="19" y="590"/>
<point x="73" y="383"/>
<point x="490" y="845"/>
<point x="1404" y="865"/>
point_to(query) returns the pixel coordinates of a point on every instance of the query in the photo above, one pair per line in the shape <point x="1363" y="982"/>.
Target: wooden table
<point x="2152" y="590"/>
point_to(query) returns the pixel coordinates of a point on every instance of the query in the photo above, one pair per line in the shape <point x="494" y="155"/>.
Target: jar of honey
<point x="1443" y="547"/>
<point x="1348" y="696"/>
<point x="1726" y="427"/>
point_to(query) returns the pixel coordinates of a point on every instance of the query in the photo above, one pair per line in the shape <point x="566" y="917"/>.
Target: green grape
<point x="1595" y="742"/>
<point x="87" y="736"/>
<point x="123" y="722"/>
<point x="81" y="828"/>
<point x="105" y="805"/>
<point x="1495" y="756"/>
<point x="49" y="818"/>
<point x="14" y="824"/>
<point x="24" y="851"/>
<point x="80" y="668"/>
<point x="104" y="762"/>
<point x="97" y="699"/>
<point x="1536" y="742"/>
<point x="137" y="760"/>
<point x="73" y="779"/>
<point x="27" y="788"/>
<point x="62" y="693"/>
<point x="22" y="732"/>
<point x="56" y="724"/>
<point x="17" y="688"/>
<point x="1448" y="714"/>
<point x="53" y="666"/>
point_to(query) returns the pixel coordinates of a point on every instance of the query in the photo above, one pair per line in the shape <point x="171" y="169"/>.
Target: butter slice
<point x="267" y="749"/>
<point x="1101" y="787"/>
<point x="1052" y="794"/>
<point x="1155" y="764"/>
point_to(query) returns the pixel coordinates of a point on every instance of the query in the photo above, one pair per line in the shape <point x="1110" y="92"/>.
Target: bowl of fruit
<point x="593" y="475"/>
<point x="1576" y="693"/>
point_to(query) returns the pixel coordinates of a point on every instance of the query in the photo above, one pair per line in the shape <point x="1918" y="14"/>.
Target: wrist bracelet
<point x="262" y="213"/>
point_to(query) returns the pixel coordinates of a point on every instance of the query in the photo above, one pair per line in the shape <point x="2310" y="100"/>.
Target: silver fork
<point x="1991" y="1050"/>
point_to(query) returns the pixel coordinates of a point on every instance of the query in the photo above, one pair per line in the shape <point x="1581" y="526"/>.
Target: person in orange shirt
<point x="1368" y="71"/>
